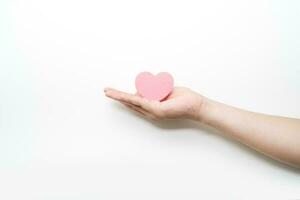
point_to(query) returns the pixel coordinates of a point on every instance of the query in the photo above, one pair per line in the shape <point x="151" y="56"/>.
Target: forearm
<point x="278" y="137"/>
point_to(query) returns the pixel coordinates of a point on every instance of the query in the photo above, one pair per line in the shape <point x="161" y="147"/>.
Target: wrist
<point x="203" y="112"/>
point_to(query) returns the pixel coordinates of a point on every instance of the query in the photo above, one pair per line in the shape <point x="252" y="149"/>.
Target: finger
<point x="129" y="98"/>
<point x="136" y="108"/>
<point x="123" y="96"/>
<point x="146" y="104"/>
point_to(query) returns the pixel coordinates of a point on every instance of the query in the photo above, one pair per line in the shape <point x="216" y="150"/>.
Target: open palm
<point x="182" y="102"/>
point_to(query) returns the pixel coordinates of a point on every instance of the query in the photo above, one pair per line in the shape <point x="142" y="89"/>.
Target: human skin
<point x="274" y="136"/>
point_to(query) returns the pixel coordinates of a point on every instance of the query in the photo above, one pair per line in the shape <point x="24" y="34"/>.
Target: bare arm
<point x="277" y="137"/>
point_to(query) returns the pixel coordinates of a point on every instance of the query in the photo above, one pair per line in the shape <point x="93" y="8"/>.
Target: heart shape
<point x="154" y="87"/>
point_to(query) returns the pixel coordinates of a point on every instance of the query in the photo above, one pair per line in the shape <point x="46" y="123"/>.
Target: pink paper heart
<point x="154" y="87"/>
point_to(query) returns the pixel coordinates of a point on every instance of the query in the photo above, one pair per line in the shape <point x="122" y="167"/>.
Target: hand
<point x="181" y="103"/>
<point x="275" y="136"/>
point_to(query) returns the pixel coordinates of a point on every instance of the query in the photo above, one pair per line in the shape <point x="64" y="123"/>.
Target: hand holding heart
<point x="178" y="102"/>
<point x="157" y="99"/>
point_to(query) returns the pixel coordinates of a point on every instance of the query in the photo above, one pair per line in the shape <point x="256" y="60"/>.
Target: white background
<point x="60" y="138"/>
